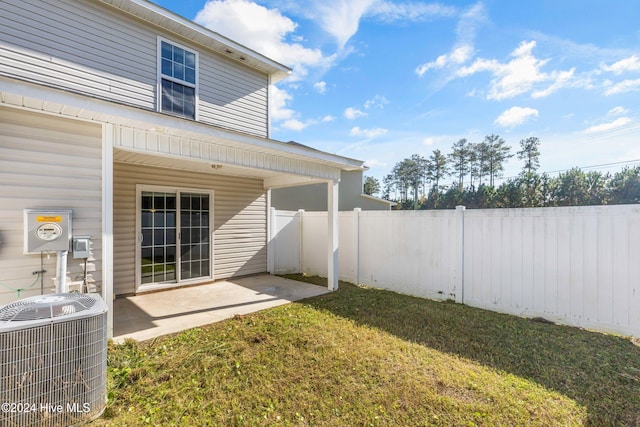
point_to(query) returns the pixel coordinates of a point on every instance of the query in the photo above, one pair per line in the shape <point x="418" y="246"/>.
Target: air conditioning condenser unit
<point x="53" y="356"/>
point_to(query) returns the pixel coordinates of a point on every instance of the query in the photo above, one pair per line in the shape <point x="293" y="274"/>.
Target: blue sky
<point x="380" y="80"/>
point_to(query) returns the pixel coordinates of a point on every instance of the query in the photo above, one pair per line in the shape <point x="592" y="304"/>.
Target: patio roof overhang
<point x="154" y="139"/>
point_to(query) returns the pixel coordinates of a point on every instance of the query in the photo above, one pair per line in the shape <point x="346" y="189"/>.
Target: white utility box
<point x="47" y="230"/>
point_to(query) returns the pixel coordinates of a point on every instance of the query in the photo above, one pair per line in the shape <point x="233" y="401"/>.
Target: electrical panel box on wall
<point x="47" y="230"/>
<point x="82" y="246"/>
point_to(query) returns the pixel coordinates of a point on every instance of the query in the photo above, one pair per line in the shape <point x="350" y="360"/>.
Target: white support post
<point x="107" y="223"/>
<point x="269" y="224"/>
<point x="356" y="238"/>
<point x="460" y="254"/>
<point x="332" y="238"/>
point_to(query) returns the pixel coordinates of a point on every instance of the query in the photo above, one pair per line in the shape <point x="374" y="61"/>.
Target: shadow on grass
<point x="600" y="372"/>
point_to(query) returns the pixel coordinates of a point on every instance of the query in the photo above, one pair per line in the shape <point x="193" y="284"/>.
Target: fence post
<point x="271" y="246"/>
<point x="333" y="226"/>
<point x="356" y="228"/>
<point x="460" y="254"/>
<point x="300" y="241"/>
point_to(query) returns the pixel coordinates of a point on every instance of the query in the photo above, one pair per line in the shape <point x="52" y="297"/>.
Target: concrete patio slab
<point x="147" y="316"/>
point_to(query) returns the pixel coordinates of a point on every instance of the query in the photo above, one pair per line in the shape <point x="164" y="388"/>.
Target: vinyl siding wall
<point x="91" y="49"/>
<point x="239" y="209"/>
<point x="46" y="162"/>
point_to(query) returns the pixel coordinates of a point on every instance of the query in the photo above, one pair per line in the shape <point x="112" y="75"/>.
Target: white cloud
<point x="279" y="100"/>
<point x="375" y="163"/>
<point x="562" y="79"/>
<point x="458" y="56"/>
<point x="470" y="20"/>
<point x="377" y="101"/>
<point x="624" y="65"/>
<point x="294" y="124"/>
<point x="616" y="111"/>
<point x="328" y="119"/>
<point x="463" y="50"/>
<point x="512" y="78"/>
<point x="623" y="86"/>
<point x="619" y="122"/>
<point x="368" y="133"/>
<point x="439" y="140"/>
<point x="263" y="30"/>
<point x="320" y="87"/>
<point x="515" y="116"/>
<point x="394" y="11"/>
<point x="341" y="18"/>
<point x="353" y="113"/>
<point x="520" y="75"/>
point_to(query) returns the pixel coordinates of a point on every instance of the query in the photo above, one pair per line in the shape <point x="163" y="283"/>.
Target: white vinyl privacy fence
<point x="578" y="266"/>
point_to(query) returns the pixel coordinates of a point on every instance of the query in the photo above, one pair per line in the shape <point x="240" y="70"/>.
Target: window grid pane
<point x="178" y="94"/>
<point x="178" y="99"/>
<point x="157" y="236"/>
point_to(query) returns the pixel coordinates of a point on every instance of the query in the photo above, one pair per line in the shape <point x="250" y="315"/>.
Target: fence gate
<point x="285" y="242"/>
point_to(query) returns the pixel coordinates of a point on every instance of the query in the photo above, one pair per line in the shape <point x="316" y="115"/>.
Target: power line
<point x="580" y="167"/>
<point x="625" y="130"/>
<point x="598" y="166"/>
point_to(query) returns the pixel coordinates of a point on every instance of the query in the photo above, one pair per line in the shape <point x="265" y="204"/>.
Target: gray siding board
<point x="239" y="220"/>
<point x="233" y="97"/>
<point x="70" y="40"/>
<point x="72" y="178"/>
<point x="92" y="45"/>
<point x="95" y="50"/>
<point x="62" y="38"/>
<point x="40" y="69"/>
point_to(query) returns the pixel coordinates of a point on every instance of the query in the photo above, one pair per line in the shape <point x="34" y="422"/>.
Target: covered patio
<point x="151" y="315"/>
<point x="134" y="151"/>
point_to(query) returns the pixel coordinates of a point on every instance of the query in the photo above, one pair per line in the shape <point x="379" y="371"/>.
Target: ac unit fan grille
<point x="45" y="307"/>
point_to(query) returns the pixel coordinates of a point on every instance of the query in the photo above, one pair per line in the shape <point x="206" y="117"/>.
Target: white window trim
<point x="140" y="287"/>
<point x="160" y="76"/>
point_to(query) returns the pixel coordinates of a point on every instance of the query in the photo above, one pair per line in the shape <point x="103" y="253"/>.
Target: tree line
<point x="419" y="182"/>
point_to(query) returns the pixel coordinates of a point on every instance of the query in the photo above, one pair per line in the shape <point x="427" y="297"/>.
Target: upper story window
<point x="177" y="71"/>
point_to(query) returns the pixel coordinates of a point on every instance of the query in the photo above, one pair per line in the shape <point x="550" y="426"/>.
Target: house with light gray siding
<point x="155" y="133"/>
<point x="311" y="197"/>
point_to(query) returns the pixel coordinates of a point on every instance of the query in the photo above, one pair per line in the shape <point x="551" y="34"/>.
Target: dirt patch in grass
<point x="370" y="357"/>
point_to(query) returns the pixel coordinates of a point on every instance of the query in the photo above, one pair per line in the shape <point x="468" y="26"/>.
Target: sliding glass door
<point x="194" y="231"/>
<point x="174" y="238"/>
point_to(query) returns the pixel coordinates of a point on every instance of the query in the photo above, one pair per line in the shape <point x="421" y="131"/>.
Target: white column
<point x="460" y="254"/>
<point x="332" y="238"/>
<point x="107" y="222"/>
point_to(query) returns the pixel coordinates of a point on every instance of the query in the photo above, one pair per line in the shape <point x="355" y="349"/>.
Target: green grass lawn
<point x="361" y="357"/>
